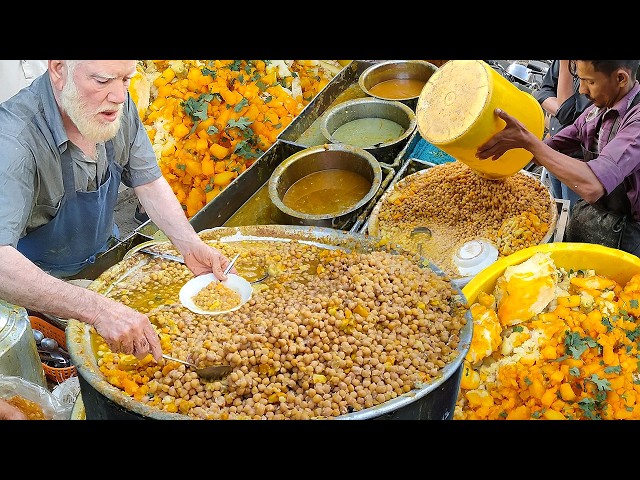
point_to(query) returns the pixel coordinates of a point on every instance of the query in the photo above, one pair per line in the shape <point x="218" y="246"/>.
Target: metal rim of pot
<point x="79" y="333"/>
<point x="390" y="65"/>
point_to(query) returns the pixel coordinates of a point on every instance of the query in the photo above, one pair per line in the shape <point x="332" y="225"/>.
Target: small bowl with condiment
<point x="325" y="185"/>
<point x="400" y="80"/>
<point x="381" y="127"/>
<point x="474" y="256"/>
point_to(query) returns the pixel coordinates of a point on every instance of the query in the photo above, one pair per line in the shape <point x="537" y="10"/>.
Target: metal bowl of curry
<point x="325" y="185"/>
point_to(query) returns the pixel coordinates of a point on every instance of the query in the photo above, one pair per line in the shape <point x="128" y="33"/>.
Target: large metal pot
<point x="101" y="400"/>
<point x="324" y="157"/>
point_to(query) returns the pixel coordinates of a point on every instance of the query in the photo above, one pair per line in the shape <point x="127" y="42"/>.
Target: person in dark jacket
<point x="607" y="176"/>
<point x="560" y="98"/>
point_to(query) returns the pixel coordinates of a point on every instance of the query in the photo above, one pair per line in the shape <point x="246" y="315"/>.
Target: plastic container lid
<point x="474" y="256"/>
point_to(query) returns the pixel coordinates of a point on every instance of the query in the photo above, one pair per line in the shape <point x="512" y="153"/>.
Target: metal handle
<point x="230" y="266"/>
<point x="166" y="256"/>
<point x="164" y="355"/>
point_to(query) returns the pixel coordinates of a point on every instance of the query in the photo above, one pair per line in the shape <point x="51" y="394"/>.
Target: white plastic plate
<point x="193" y="286"/>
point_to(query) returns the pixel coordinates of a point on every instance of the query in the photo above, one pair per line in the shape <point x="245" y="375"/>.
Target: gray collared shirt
<point x="32" y="138"/>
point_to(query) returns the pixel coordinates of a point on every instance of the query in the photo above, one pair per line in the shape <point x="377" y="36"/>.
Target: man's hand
<point x="128" y="331"/>
<point x="123" y="328"/>
<point x="513" y="135"/>
<point x="202" y="259"/>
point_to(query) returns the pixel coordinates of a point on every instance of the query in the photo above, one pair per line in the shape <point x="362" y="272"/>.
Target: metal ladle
<point x="426" y="235"/>
<point x="212" y="372"/>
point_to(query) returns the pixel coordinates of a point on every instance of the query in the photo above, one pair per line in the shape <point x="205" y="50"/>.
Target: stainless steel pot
<point x="324" y="157"/>
<point x="101" y="400"/>
<point x="396" y="69"/>
<point x="18" y="351"/>
<point x="360" y="108"/>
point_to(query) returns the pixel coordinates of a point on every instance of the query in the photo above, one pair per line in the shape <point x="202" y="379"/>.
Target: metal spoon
<point x="426" y="231"/>
<point x="38" y="336"/>
<point x="264" y="277"/>
<point x="426" y="235"/>
<point x="49" y="344"/>
<point x="212" y="372"/>
<point x="230" y="266"/>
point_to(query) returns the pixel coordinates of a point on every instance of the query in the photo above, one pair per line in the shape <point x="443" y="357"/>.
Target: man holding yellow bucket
<point x="607" y="177"/>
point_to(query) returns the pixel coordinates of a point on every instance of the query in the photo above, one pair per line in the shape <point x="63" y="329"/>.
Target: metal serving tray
<point x="413" y="165"/>
<point x="304" y="130"/>
<point x="246" y="201"/>
<point x="248" y="185"/>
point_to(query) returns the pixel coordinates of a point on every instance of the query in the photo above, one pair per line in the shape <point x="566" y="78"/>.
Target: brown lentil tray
<point x="458" y="205"/>
<point x="329" y="332"/>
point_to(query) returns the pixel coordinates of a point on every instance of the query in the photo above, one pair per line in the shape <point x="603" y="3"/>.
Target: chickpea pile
<point x="329" y="332"/>
<point x="216" y="297"/>
<point x="458" y="205"/>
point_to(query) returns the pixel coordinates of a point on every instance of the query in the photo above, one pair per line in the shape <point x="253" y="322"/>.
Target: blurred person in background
<point x="560" y="98"/>
<point x="66" y="142"/>
<point x="17" y="74"/>
<point x="607" y="176"/>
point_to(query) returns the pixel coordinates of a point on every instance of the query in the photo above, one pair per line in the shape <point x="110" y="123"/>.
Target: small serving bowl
<point x="233" y="282"/>
<point x="419" y="70"/>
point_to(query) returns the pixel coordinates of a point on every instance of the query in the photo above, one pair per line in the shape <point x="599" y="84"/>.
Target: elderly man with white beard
<point x="66" y="143"/>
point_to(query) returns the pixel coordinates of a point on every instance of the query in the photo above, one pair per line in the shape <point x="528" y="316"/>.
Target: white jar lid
<point x="474" y="255"/>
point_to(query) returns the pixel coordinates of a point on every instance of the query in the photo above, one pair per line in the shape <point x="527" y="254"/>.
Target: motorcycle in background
<point x="527" y="75"/>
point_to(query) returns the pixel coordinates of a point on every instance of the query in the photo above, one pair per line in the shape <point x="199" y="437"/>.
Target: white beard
<point x="88" y="127"/>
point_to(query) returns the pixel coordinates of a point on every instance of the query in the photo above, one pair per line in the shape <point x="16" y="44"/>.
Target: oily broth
<point x="364" y="132"/>
<point x="398" y="88"/>
<point x="326" y="192"/>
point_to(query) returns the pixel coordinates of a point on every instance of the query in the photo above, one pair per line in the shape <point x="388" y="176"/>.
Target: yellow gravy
<point x="398" y="88"/>
<point x="326" y="192"/>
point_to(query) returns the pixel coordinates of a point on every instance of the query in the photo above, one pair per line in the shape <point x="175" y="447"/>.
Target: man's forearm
<point x="165" y="211"/>
<point x="573" y="172"/>
<point x="24" y="284"/>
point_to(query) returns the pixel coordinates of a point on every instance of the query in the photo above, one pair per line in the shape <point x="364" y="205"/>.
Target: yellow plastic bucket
<point x="455" y="112"/>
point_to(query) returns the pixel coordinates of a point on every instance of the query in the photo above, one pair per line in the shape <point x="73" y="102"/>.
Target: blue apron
<point x="82" y="227"/>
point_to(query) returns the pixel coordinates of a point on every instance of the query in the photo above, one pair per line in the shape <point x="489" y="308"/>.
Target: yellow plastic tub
<point x="455" y="112"/>
<point x="610" y="262"/>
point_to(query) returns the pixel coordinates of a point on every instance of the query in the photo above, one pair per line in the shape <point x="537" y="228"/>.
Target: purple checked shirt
<point x="619" y="158"/>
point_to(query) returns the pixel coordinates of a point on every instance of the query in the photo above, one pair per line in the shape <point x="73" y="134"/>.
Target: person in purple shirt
<point x="607" y="176"/>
